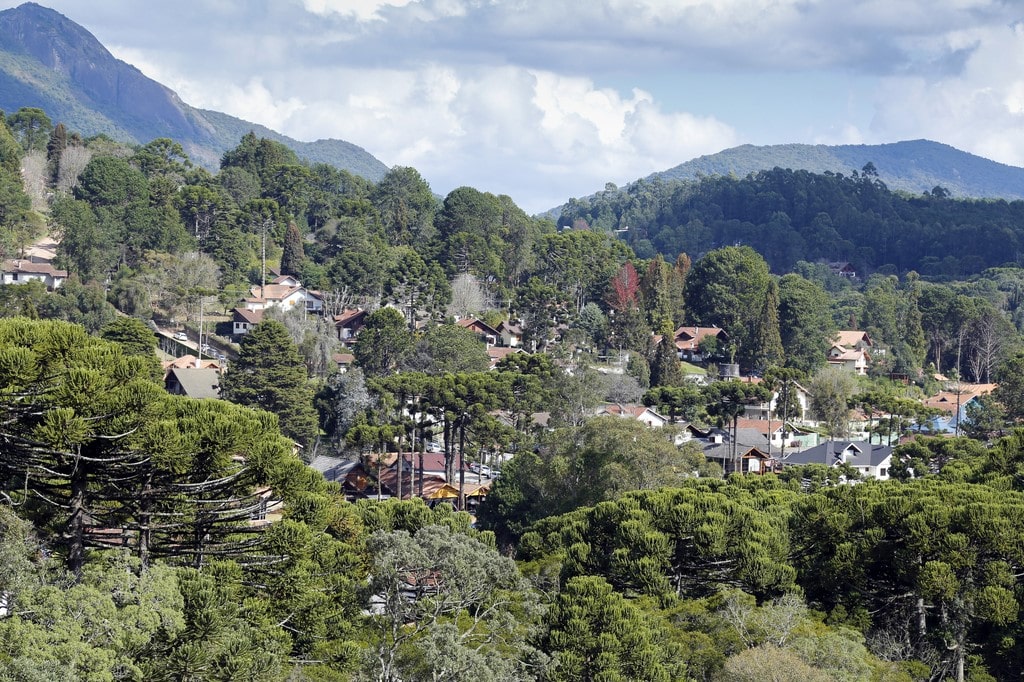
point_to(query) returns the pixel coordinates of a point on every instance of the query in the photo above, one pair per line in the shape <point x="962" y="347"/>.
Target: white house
<point x="854" y="361"/>
<point x="23" y="271"/>
<point x="243" y="320"/>
<point x="285" y="296"/>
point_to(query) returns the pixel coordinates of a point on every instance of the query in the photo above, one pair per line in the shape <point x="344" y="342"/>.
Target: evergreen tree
<point x="727" y="288"/>
<point x="270" y="375"/>
<point x="383" y="343"/>
<point x="55" y="149"/>
<point x="665" y="369"/>
<point x="293" y="256"/>
<point x="597" y="634"/>
<point x="768" y="343"/>
<point x="805" y="323"/>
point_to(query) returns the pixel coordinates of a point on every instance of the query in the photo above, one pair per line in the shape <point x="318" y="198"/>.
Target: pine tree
<point x="665" y="369"/>
<point x="768" y="351"/>
<point x="293" y="255"/>
<point x="55" y="149"/>
<point x="270" y="375"/>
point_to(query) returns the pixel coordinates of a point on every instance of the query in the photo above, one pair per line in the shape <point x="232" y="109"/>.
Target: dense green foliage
<point x="788" y="216"/>
<point x="207" y="550"/>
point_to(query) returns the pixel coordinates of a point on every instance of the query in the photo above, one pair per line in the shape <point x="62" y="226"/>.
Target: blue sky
<point x="548" y="99"/>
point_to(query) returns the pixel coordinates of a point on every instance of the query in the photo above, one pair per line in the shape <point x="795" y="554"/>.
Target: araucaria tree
<point x="270" y="375"/>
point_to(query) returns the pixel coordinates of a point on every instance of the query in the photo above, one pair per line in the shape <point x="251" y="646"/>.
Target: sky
<point x="544" y="100"/>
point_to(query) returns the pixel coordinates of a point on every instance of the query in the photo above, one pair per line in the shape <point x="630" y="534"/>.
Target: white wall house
<point x="23" y="271"/>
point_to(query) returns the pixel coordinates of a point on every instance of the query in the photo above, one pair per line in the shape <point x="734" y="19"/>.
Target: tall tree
<point x="831" y="390"/>
<point x="293" y="256"/>
<point x="462" y="622"/>
<point x="383" y="343"/>
<point x="31" y="127"/>
<point x="768" y="342"/>
<point x="805" y="324"/>
<point x="665" y="369"/>
<point x="726" y="288"/>
<point x="269" y="374"/>
<point x="406" y="206"/>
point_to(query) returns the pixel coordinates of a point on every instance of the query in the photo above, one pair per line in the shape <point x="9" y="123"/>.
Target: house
<point x="641" y="413"/>
<point x="511" y="334"/>
<point x="343" y="360"/>
<point x="285" y="296"/>
<point x="352" y="475"/>
<point x="498" y="353"/>
<point x="749" y="454"/>
<point x="852" y="339"/>
<point x="189" y="361"/>
<point x="854" y="361"/>
<point x="489" y="334"/>
<point x="23" y="271"/>
<point x="870" y="460"/>
<point x="195" y="383"/>
<point x="687" y="340"/>
<point x="286" y="280"/>
<point x="244" y="319"/>
<point x="953" y="404"/>
<point x="772" y="430"/>
<point x="348" y="323"/>
<point x="843" y="269"/>
<point x="770" y="408"/>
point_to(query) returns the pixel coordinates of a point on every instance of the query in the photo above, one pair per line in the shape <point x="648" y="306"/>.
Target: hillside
<point x="915" y="166"/>
<point x="50" y="62"/>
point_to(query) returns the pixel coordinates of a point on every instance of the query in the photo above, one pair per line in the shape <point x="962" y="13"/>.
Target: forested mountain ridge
<point x="50" y="62"/>
<point x="793" y="215"/>
<point x="914" y="166"/>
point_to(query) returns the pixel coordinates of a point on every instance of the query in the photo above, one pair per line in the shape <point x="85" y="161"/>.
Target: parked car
<point x="434" y="447"/>
<point x="481" y="469"/>
<point x="180" y="336"/>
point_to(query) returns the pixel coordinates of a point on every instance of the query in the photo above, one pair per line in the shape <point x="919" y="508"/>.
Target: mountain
<point x="915" y="166"/>
<point x="50" y="62"/>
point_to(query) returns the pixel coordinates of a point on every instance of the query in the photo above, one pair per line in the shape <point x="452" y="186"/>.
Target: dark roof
<point x="858" y="453"/>
<point x="195" y="383"/>
<point x="333" y="468"/>
<point x="30" y="267"/>
<point x="350" y="316"/>
<point x="479" y="326"/>
<point x="246" y="315"/>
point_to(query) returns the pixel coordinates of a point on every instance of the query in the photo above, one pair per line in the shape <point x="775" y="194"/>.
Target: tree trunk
<point x="462" y="462"/>
<point x="75" y="529"/>
<point x="145" y="533"/>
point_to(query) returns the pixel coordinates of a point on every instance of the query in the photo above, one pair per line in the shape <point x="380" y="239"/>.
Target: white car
<point x="180" y="336"/>
<point x="481" y="469"/>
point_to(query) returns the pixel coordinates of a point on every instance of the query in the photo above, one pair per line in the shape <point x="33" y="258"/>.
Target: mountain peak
<point x="913" y="166"/>
<point x="50" y="62"/>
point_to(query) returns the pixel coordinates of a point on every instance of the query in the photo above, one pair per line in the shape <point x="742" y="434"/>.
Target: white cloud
<point x="361" y="10"/>
<point x="980" y="110"/>
<point x="504" y="129"/>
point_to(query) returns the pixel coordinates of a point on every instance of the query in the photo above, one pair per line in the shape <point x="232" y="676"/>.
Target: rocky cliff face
<point x="102" y="82"/>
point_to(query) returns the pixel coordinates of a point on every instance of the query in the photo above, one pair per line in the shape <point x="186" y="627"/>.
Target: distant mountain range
<point x="915" y="166"/>
<point x="50" y="62"/>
